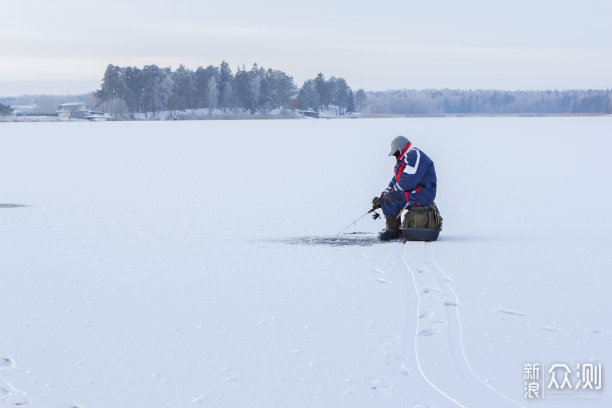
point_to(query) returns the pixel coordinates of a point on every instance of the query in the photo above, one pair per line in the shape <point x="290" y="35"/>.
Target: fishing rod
<point x="375" y="216"/>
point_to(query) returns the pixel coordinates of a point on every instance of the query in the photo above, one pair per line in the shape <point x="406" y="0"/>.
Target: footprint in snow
<point x="377" y="386"/>
<point x="8" y="394"/>
<point x="429" y="331"/>
<point x="199" y="399"/>
<point x="431" y="289"/>
<point x="7" y="362"/>
<point x="392" y="359"/>
<point x="425" y="314"/>
<point x="11" y="396"/>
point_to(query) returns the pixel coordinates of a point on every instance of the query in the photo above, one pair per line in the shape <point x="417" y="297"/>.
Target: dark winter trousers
<point x="392" y="203"/>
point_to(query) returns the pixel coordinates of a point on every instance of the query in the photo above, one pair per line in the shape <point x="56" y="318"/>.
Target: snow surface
<point x="181" y="264"/>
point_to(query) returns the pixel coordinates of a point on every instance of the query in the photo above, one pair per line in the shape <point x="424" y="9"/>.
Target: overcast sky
<point x="65" y="45"/>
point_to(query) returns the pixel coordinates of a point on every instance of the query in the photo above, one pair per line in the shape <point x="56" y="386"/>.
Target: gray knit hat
<point x="399" y="143"/>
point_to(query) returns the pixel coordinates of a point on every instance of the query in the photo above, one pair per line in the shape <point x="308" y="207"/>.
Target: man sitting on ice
<point x="413" y="184"/>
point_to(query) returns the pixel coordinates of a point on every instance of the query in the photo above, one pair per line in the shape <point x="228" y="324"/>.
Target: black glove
<point x="376" y="203"/>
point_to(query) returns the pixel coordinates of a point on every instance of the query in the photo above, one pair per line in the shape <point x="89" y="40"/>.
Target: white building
<point x="79" y="110"/>
<point x="73" y="110"/>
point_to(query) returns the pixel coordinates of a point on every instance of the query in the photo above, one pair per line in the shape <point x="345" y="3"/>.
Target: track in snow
<point x="434" y="332"/>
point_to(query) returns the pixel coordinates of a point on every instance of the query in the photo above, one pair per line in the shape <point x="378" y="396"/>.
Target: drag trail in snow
<point x="433" y="317"/>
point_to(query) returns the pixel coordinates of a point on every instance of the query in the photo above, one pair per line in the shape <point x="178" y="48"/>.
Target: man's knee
<point x="392" y="203"/>
<point x="392" y="197"/>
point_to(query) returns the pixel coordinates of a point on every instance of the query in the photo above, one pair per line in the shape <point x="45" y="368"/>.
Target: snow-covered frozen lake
<point x="186" y="264"/>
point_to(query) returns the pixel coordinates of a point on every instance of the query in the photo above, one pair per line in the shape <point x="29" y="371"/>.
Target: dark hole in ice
<point x="8" y="205"/>
<point x="353" y="239"/>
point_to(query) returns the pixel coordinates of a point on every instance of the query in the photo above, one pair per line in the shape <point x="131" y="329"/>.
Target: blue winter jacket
<point x="414" y="180"/>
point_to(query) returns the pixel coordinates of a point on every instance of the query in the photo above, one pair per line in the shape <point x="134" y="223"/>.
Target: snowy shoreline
<point x="293" y="116"/>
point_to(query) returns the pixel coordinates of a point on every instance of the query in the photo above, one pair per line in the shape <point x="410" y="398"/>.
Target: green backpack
<point x="423" y="217"/>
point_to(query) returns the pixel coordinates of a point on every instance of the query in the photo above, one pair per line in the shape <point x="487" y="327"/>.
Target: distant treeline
<point x="451" y="101"/>
<point x="153" y="89"/>
<point x="126" y="91"/>
<point x="131" y="90"/>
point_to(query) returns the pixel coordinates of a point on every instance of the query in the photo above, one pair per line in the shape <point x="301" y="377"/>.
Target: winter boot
<point x="392" y="231"/>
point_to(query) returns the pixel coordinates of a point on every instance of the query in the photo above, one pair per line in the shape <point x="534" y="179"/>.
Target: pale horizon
<point x="64" y="47"/>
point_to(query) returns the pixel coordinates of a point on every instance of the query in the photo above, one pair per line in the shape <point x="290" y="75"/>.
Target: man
<point x="413" y="184"/>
